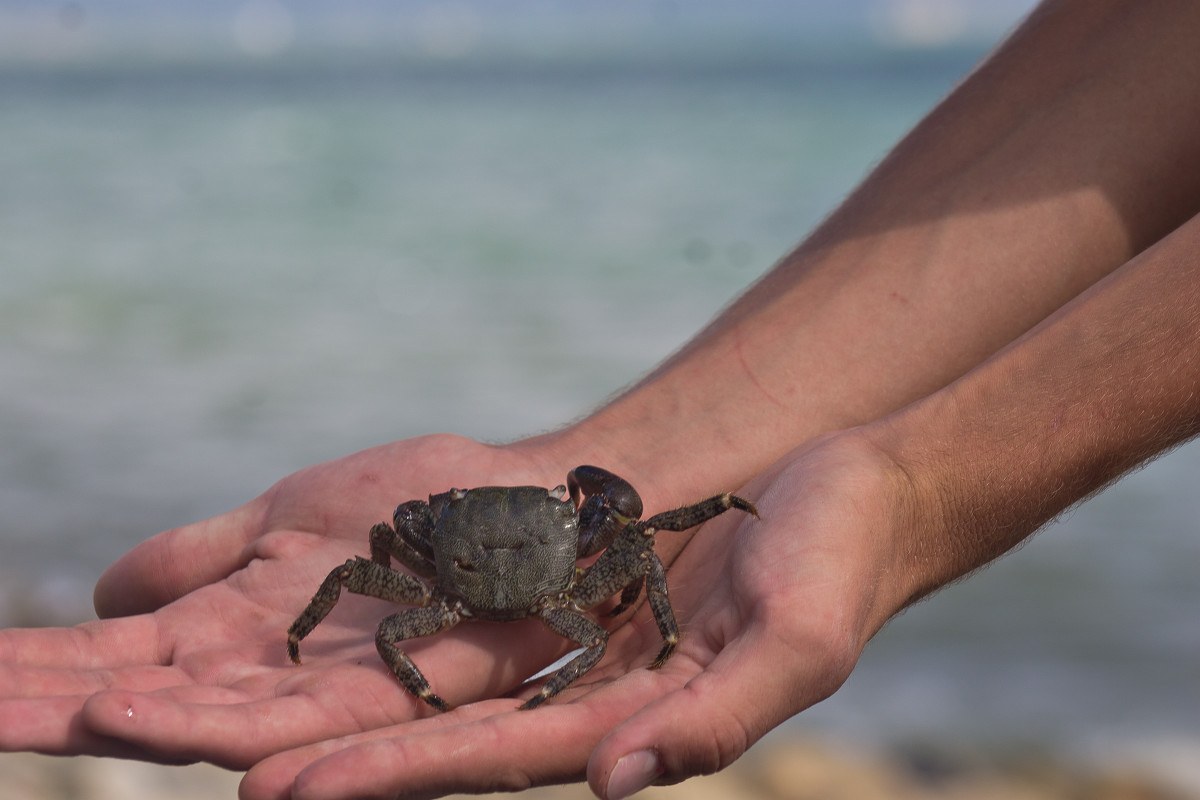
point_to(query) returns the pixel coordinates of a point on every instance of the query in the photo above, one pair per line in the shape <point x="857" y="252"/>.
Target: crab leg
<point x="629" y="596"/>
<point x="660" y="605"/>
<point x="630" y="560"/>
<point x="680" y="519"/>
<point x="361" y="576"/>
<point x="583" y="632"/>
<point x="625" y="561"/>
<point x="402" y="543"/>
<point x="410" y="624"/>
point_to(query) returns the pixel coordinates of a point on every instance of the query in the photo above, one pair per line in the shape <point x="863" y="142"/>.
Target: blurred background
<point x="237" y="238"/>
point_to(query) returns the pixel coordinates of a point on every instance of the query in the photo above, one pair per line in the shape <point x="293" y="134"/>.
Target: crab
<point x="504" y="553"/>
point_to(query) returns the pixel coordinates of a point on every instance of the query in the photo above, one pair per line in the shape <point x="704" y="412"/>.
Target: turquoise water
<point x="219" y="268"/>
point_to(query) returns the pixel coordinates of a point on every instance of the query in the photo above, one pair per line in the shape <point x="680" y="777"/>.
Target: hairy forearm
<point x="1104" y="384"/>
<point x="1068" y="150"/>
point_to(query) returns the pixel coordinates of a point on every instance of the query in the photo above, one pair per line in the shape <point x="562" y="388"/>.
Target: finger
<point x="92" y="645"/>
<point x="503" y="752"/>
<point x="261" y="714"/>
<point x="34" y="682"/>
<point x="53" y="726"/>
<point x="167" y="566"/>
<point x="483" y="747"/>
<point x="231" y="735"/>
<point x="753" y="685"/>
<point x="274" y="777"/>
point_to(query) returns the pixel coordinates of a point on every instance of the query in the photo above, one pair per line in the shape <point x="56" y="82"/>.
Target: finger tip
<point x="133" y="717"/>
<point x="630" y="774"/>
<point x="347" y="773"/>
<point x="136" y="719"/>
<point x="110" y="597"/>
<point x="172" y="563"/>
<point x="267" y="780"/>
<point x="625" y="760"/>
<point x="106" y="711"/>
<point x="133" y="584"/>
<point x="333" y="767"/>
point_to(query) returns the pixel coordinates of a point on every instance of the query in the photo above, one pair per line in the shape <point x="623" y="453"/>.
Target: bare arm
<point x="1104" y="384"/>
<point x="1070" y="149"/>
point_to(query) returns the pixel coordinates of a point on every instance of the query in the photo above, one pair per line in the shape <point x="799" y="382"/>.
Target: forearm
<point x="1104" y="384"/>
<point x="1028" y="184"/>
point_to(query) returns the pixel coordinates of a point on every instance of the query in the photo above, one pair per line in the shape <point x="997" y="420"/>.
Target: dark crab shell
<point x="500" y="549"/>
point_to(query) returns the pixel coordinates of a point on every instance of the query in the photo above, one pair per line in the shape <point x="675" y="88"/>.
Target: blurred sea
<point x="241" y="239"/>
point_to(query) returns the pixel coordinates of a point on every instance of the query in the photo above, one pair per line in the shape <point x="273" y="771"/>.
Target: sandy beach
<point x="782" y="768"/>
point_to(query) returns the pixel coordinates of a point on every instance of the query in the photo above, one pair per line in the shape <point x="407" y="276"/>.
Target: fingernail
<point x="632" y="773"/>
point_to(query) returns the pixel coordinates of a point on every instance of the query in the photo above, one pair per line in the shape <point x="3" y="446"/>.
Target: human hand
<point x="774" y="615"/>
<point x="336" y="500"/>
<point x="200" y="671"/>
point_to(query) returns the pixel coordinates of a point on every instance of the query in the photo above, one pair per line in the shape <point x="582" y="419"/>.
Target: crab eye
<point x="463" y="566"/>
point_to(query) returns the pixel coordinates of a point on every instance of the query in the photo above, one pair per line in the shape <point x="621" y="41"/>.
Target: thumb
<point x="704" y="726"/>
<point x="169" y="565"/>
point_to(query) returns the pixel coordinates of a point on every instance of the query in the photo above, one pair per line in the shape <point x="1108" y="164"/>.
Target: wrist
<point x="637" y="452"/>
<point x="920" y="511"/>
<point x="847" y="491"/>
